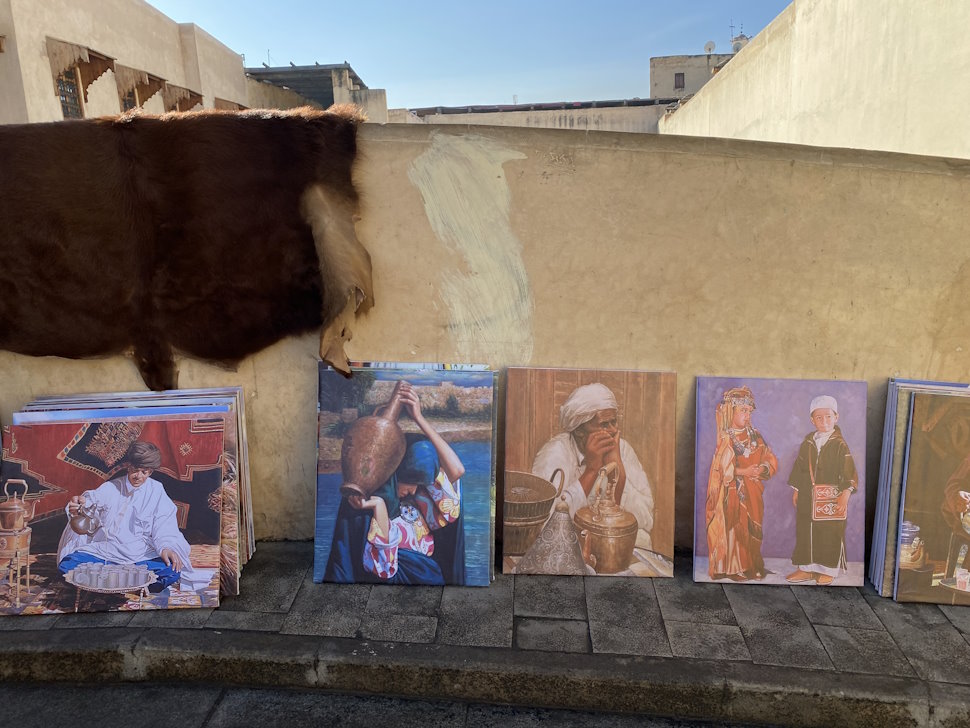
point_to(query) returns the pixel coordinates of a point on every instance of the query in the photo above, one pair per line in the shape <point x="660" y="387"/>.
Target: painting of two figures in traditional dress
<point x="589" y="472"/>
<point x="405" y="476"/>
<point x="780" y="481"/>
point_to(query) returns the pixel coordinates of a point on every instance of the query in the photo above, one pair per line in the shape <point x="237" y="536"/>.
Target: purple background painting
<point x="781" y="416"/>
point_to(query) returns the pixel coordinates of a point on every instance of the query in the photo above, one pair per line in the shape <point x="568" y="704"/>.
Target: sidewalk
<point x="667" y="647"/>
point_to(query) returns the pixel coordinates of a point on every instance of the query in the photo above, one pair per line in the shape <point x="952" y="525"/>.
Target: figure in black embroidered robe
<point x="823" y="479"/>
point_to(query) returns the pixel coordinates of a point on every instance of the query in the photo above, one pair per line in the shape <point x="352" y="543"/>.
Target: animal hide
<point x="212" y="233"/>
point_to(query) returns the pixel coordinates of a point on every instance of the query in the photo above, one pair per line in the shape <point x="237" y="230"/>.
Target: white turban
<point x="823" y="400"/>
<point x="583" y="404"/>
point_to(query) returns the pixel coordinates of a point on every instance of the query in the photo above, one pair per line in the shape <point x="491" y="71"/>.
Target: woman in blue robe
<point x="410" y="531"/>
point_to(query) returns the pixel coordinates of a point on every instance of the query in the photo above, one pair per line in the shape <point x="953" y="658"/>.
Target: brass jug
<point x="373" y="448"/>
<point x="557" y="549"/>
<point x="14" y="515"/>
<point x="610" y="532"/>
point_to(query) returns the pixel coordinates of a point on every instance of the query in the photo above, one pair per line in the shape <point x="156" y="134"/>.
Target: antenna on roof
<point x="709" y="47"/>
<point x="293" y="64"/>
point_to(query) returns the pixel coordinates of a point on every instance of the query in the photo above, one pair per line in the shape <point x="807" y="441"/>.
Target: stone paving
<point x="620" y="631"/>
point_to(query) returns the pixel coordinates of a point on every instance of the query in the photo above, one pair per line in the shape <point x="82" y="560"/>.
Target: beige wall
<point x="696" y="69"/>
<point x="13" y="103"/>
<point x="132" y="32"/>
<point x="372" y="101"/>
<point x="880" y="74"/>
<point x="264" y="95"/>
<point x="557" y="248"/>
<point x="619" y="118"/>
<point x="220" y="69"/>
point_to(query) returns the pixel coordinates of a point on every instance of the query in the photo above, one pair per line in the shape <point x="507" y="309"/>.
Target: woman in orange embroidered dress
<point x="735" y="491"/>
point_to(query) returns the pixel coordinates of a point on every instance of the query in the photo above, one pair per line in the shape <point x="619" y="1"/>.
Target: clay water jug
<point x="373" y="448"/>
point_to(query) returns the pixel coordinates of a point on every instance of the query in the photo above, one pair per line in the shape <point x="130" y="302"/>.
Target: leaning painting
<point x="111" y="515"/>
<point x="405" y="476"/>
<point x="589" y="472"/>
<point x="933" y="544"/>
<point x="779" y="481"/>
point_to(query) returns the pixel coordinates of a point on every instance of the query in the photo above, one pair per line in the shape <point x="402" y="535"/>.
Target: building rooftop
<point x="313" y="82"/>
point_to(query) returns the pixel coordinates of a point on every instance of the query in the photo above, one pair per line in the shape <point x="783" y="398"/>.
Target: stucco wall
<point x="13" y="103"/>
<point x="885" y="74"/>
<point x="620" y="118"/>
<point x="264" y="95"/>
<point x="557" y="248"/>
<point x="220" y="69"/>
<point x="696" y="69"/>
<point x="132" y="32"/>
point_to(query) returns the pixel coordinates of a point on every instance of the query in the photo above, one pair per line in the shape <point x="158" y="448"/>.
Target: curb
<point x="669" y="687"/>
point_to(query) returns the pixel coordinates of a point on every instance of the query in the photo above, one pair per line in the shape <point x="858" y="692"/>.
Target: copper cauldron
<point x="14" y="515"/>
<point x="528" y="500"/>
<point x="608" y="533"/>
<point x="372" y="449"/>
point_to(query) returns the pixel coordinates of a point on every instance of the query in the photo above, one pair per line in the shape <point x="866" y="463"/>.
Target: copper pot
<point x="14" y="515"/>
<point x="608" y="533"/>
<point x="372" y="449"/>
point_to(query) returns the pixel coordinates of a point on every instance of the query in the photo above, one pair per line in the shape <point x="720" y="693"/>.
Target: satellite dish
<point x="709" y="47"/>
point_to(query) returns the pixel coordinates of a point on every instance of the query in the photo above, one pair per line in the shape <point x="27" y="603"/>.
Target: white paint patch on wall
<point x="467" y="200"/>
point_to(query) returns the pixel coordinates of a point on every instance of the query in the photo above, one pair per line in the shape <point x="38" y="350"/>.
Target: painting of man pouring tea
<point x="404" y="476"/>
<point x="124" y="515"/>
<point x="589" y="478"/>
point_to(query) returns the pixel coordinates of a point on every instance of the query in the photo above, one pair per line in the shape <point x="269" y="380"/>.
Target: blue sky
<point x="434" y="53"/>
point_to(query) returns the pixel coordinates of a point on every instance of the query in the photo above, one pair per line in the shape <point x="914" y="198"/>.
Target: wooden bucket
<point x="528" y="501"/>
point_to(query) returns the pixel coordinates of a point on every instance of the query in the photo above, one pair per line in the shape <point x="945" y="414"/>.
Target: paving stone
<point x="268" y="709"/>
<point x="624" y="616"/>
<point x="332" y="610"/>
<point x="246" y="621"/>
<point x="707" y="641"/>
<point x="558" y="597"/>
<point x="863" y="650"/>
<point x="93" y="619"/>
<point x="105" y="706"/>
<point x="552" y="635"/>
<point x="933" y="646"/>
<point x="398" y="627"/>
<point x="683" y="600"/>
<point x="394" y="599"/>
<point x="775" y="628"/>
<point x="186" y="618"/>
<point x="27" y="622"/>
<point x="959" y="617"/>
<point x="476" y="616"/>
<point x="272" y="578"/>
<point x="837" y="606"/>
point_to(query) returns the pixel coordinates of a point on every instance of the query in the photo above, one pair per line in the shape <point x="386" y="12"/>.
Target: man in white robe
<point x="590" y="440"/>
<point x="138" y="524"/>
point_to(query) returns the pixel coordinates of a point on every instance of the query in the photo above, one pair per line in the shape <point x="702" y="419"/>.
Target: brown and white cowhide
<point x="211" y="233"/>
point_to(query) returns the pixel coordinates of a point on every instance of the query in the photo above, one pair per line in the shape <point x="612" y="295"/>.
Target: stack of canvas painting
<point x="779" y="475"/>
<point x="405" y="476"/>
<point x="921" y="534"/>
<point x="589" y="472"/>
<point x="122" y="502"/>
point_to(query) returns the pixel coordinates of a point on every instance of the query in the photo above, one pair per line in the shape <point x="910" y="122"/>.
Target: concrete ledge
<point x="676" y="687"/>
